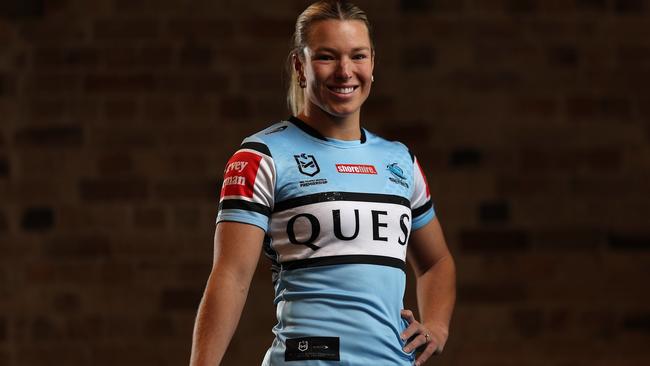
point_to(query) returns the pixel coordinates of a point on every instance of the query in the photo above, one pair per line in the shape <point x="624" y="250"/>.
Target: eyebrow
<point x="332" y="50"/>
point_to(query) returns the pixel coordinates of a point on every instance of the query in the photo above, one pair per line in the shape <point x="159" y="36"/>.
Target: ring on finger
<point x="427" y="337"/>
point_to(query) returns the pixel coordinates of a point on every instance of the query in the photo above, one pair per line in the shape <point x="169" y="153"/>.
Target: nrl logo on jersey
<point x="307" y="164"/>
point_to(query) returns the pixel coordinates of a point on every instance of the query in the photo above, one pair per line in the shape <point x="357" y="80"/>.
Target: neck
<point x="340" y="128"/>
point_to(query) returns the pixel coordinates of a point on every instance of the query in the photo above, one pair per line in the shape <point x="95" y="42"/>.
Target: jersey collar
<point x="314" y="133"/>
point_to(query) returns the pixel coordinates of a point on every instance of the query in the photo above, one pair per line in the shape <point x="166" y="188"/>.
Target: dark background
<point x="531" y="119"/>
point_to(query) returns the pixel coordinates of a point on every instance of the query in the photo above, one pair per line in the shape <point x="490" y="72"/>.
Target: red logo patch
<point x="356" y="169"/>
<point x="240" y="173"/>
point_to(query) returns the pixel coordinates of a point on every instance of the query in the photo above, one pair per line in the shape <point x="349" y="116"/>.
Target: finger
<point x="410" y="331"/>
<point x="408" y="315"/>
<point x="429" y="350"/>
<point x="419" y="340"/>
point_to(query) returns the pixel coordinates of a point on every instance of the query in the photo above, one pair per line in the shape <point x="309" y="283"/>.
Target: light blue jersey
<point x="337" y="216"/>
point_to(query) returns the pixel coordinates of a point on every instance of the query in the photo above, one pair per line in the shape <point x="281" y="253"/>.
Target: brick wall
<point x="531" y="119"/>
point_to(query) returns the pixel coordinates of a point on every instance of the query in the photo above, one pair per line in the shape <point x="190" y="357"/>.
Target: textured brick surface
<point x="531" y="119"/>
<point x="37" y="219"/>
<point x="50" y="136"/>
<point x="4" y="168"/>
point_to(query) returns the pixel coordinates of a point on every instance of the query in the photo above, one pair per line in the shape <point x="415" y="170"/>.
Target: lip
<point x="331" y="88"/>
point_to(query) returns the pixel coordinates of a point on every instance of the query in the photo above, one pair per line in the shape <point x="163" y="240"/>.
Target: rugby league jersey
<point x="337" y="217"/>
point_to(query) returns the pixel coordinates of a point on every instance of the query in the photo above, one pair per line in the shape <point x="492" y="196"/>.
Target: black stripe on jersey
<point x="245" y="205"/>
<point x="422" y="209"/>
<point x="314" y="133"/>
<point x="340" y="196"/>
<point x="345" y="259"/>
<point x="306" y="128"/>
<point x="257" y="146"/>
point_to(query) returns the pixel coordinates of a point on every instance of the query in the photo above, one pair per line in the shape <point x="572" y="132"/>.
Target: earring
<point x="372" y="78"/>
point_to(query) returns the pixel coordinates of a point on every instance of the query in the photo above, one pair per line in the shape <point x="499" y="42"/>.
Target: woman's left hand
<point x="428" y="341"/>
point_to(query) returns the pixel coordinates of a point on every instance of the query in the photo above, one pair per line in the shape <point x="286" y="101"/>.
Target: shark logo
<point x="398" y="175"/>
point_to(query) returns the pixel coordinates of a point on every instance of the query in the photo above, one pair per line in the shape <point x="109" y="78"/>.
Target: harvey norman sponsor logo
<point x="356" y="169"/>
<point x="240" y="174"/>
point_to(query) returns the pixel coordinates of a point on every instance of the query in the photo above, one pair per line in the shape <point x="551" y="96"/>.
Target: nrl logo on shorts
<point x="307" y="164"/>
<point x="302" y="346"/>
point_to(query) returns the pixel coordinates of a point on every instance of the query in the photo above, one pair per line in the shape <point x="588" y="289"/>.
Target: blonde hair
<point x="321" y="10"/>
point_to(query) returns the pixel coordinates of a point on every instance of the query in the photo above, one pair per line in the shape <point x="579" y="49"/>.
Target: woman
<point x="333" y="206"/>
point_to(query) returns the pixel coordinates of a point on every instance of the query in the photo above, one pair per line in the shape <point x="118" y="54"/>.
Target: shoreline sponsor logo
<point x="398" y="175"/>
<point x="356" y="169"/>
<point x="307" y="164"/>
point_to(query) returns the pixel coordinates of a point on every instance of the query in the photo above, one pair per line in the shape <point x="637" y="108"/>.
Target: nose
<point x="344" y="69"/>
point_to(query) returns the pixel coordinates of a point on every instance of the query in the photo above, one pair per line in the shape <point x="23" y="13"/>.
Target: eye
<point x="323" y="57"/>
<point x="360" y="56"/>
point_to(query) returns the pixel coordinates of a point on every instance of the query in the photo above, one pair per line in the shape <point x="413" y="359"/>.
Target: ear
<point x="298" y="66"/>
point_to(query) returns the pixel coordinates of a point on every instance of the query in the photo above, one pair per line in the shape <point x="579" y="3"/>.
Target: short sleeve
<point x="421" y="204"/>
<point x="248" y="186"/>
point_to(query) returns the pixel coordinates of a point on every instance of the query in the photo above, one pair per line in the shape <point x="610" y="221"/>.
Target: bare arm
<point x="436" y="287"/>
<point x="237" y="249"/>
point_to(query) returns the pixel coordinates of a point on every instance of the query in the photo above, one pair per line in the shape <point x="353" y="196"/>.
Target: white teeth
<point x="343" y="90"/>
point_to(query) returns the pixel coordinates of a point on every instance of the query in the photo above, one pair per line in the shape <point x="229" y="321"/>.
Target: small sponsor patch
<point x="240" y="173"/>
<point x="313" y="182"/>
<point x="277" y="129"/>
<point x="356" y="169"/>
<point x="312" y="348"/>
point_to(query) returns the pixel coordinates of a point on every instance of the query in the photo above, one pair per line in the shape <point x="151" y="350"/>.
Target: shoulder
<point x="391" y="146"/>
<point x="266" y="139"/>
<point x="269" y="133"/>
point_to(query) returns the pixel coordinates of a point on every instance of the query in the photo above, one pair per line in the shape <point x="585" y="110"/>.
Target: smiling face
<point x="336" y="67"/>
